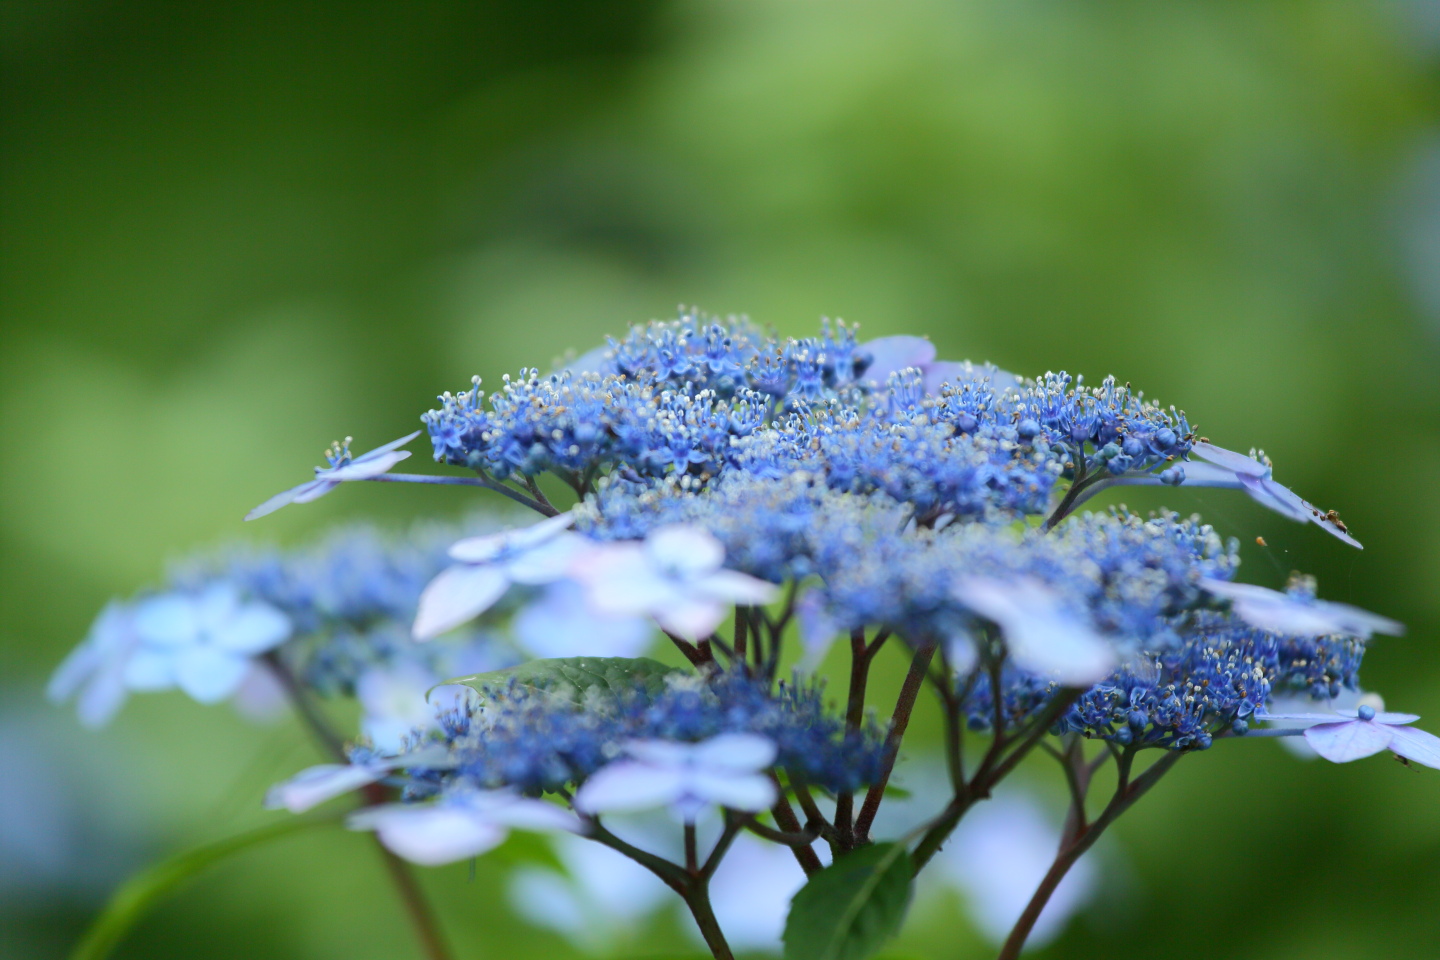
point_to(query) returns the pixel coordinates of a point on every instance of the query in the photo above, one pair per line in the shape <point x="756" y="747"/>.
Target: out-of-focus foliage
<point x="233" y="232"/>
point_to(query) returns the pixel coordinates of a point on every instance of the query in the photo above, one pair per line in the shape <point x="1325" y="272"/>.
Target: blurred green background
<point x="233" y="232"/>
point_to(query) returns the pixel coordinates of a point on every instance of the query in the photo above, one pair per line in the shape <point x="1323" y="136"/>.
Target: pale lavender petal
<point x="561" y="623"/>
<point x="690" y="619"/>
<point x="209" y="674"/>
<point x="1416" y="745"/>
<point x="523" y="813"/>
<point x="1282" y="613"/>
<point x="1351" y="740"/>
<point x="310" y="489"/>
<point x="662" y="753"/>
<point x="312" y="787"/>
<point x="751" y="792"/>
<point x="891" y="354"/>
<point x="732" y="586"/>
<point x="1392" y="719"/>
<point x="457" y="594"/>
<point x="432" y="835"/>
<point x="1229" y="459"/>
<point x="629" y="785"/>
<point x="254" y="628"/>
<point x="77" y="667"/>
<point x="1042" y="637"/>
<point x="494" y="545"/>
<point x="686" y="550"/>
<point x="1303" y="717"/>
<point x="1201" y="474"/>
<point x="619" y="579"/>
<point x="746" y="752"/>
<point x="168" y="620"/>
<point x="314" y="490"/>
<point x="548" y="561"/>
<point x="364" y="469"/>
<point x="1362" y="623"/>
<point x="1275" y="496"/>
<point x="101" y="699"/>
<point x="148" y="669"/>
<point x="386" y="448"/>
<point x="261" y="697"/>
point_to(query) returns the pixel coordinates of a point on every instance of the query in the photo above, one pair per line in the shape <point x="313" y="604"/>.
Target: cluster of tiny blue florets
<point x="533" y="741"/>
<point x="1212" y="681"/>
<point x="351" y="598"/>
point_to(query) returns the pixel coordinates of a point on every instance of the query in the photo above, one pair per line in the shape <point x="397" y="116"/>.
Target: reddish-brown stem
<point x="785" y="818"/>
<point x="900" y="719"/>
<point x="1125" y="796"/>
<point x="854" y="716"/>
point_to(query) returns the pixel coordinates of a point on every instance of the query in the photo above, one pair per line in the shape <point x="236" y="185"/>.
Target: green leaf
<point x="576" y="679"/>
<point x="140" y="893"/>
<point x="847" y="910"/>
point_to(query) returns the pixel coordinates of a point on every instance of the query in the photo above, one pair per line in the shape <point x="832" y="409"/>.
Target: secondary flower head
<point x="1365" y="732"/>
<point x="342" y="467"/>
<point x="537" y="554"/>
<point x="461" y="824"/>
<point x="676" y="575"/>
<point x="204" y="642"/>
<point x="686" y="777"/>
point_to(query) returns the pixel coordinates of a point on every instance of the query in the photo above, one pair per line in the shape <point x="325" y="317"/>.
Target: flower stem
<point x="412" y="898"/>
<point x="698" y="900"/>
<point x="1083" y="839"/>
<point x="904" y="706"/>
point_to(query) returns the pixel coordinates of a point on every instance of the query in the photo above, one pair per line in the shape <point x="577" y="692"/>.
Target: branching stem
<point x="1126" y="793"/>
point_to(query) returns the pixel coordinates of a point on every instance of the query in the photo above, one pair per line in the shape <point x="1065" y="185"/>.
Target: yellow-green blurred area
<point x="235" y="231"/>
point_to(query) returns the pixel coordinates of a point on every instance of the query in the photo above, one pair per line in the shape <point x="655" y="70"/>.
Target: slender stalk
<point x="538" y="494"/>
<point x="672" y="874"/>
<point x="1126" y="794"/>
<point x="904" y="706"/>
<point x="485" y="482"/>
<point x="854" y="715"/>
<point x="696" y="655"/>
<point x="733" y="826"/>
<point x="785" y="818"/>
<point x="412" y="897"/>
<point x="692" y="859"/>
<point x="742" y="633"/>
<point x="1077" y="486"/>
<point x="993" y="768"/>
<point x="801" y="839"/>
<point x="698" y="900"/>
<point x="813" y="814"/>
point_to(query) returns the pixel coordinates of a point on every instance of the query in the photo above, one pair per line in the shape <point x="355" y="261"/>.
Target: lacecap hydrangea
<point x="758" y="501"/>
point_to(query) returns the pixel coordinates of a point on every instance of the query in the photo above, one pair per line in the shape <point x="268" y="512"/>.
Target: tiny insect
<point x="1334" y="518"/>
<point x="1261" y="541"/>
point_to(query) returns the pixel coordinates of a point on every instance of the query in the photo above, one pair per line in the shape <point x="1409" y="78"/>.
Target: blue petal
<point x="1350" y="740"/>
<point x="310" y="489"/>
<point x="1416" y="745"/>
